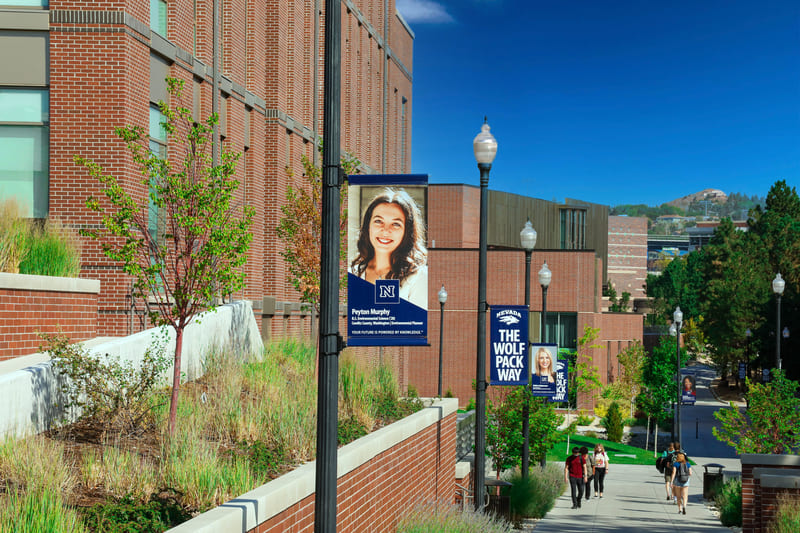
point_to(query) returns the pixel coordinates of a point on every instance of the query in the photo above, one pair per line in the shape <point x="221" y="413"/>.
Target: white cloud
<point x="423" y="11"/>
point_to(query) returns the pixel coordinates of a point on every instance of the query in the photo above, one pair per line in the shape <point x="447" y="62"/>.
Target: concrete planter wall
<point x="32" y="304"/>
<point x="380" y="477"/>
<point x="31" y="392"/>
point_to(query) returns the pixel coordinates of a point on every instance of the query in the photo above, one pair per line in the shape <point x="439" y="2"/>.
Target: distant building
<point x="701" y="235"/>
<point x="627" y="254"/>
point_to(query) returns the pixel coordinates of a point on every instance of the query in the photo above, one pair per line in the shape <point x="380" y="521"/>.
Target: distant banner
<point x="387" y="260"/>
<point x="545" y="372"/>
<point x="508" y="327"/>
<point x="688" y="389"/>
<point x="562" y="381"/>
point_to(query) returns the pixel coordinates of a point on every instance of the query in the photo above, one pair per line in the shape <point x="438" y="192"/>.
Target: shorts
<point x="677" y="483"/>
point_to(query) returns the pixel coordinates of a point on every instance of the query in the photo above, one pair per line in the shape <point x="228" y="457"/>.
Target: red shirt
<point x="575" y="465"/>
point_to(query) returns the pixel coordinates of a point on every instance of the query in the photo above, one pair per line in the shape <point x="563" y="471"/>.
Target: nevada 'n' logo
<point x="387" y="291"/>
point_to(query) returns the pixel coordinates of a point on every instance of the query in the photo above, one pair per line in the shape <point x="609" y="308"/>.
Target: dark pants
<point x="599" y="477"/>
<point x="576" y="488"/>
<point x="589" y="486"/>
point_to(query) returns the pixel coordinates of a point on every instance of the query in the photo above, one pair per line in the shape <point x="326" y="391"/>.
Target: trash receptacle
<point x="711" y="480"/>
<point x="499" y="501"/>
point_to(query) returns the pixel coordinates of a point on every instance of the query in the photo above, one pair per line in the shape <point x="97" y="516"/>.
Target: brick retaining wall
<point x="33" y="304"/>
<point x="764" y="478"/>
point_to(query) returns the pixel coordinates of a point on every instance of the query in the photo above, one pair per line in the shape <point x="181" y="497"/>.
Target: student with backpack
<point x="664" y="466"/>
<point x="575" y="474"/>
<point x="681" y="472"/>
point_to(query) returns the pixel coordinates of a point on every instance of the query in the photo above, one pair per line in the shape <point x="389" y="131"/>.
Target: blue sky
<point x="608" y="101"/>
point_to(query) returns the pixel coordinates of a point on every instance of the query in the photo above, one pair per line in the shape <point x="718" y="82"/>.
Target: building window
<point x="24" y="148"/>
<point x="24" y="3"/>
<point x="562" y="329"/>
<point x="573" y="229"/>
<point x="158" y="16"/>
<point x="158" y="146"/>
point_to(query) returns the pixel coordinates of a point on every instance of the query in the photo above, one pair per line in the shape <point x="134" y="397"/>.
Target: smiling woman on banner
<point x="544" y="367"/>
<point x="391" y="245"/>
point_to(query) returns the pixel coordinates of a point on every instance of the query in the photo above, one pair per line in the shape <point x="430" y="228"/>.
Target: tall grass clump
<point x="38" y="512"/>
<point x="729" y="503"/>
<point x="787" y="515"/>
<point x="14" y="234"/>
<point x="449" y="519"/>
<point x="120" y="473"/>
<point x="53" y="250"/>
<point x="35" y="464"/>
<point x="535" y="496"/>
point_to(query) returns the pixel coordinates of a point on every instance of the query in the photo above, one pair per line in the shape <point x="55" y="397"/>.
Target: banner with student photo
<point x="387" y="260"/>
<point x="688" y="389"/>
<point x="544" y="373"/>
<point x="508" y="338"/>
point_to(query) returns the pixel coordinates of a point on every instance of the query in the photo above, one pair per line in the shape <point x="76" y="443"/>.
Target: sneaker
<point x="668" y="498"/>
<point x="684" y="510"/>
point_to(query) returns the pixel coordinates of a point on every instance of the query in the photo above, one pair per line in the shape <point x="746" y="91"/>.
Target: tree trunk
<point x="176" y="381"/>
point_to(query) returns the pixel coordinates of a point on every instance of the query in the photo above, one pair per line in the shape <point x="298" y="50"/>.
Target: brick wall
<point x="764" y="477"/>
<point x="33" y="304"/>
<point x="627" y="255"/>
<point x="382" y="477"/>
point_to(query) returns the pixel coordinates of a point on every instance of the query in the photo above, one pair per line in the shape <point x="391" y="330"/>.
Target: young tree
<point x="659" y="386"/>
<point x="629" y="382"/>
<point x="201" y="241"/>
<point x="771" y="422"/>
<point x="301" y="227"/>
<point x="583" y="375"/>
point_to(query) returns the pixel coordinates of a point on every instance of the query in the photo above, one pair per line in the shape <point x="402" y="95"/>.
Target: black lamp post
<point x="778" y="284"/>
<point x="527" y="238"/>
<point x="675" y="329"/>
<point x="544" y="280"/>
<point x="785" y="334"/>
<point x="329" y="339"/>
<point x="442" y="299"/>
<point x="485" y="148"/>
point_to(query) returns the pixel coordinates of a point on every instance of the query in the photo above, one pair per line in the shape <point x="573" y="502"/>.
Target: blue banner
<point x="387" y="260"/>
<point x="562" y="381"/>
<point x="544" y="370"/>
<point x="509" y="345"/>
<point x="688" y="389"/>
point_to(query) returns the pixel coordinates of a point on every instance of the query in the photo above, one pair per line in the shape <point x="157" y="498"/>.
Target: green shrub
<point x="114" y="394"/>
<point x="729" y="503"/>
<point x="535" y="496"/>
<point x="585" y="420"/>
<point x="127" y="516"/>
<point x="350" y="429"/>
<point x="53" y="250"/>
<point x="613" y="423"/>
<point x="787" y="516"/>
<point x="448" y="519"/>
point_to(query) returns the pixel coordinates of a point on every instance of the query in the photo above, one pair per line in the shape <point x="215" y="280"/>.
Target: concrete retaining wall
<point x="30" y="393"/>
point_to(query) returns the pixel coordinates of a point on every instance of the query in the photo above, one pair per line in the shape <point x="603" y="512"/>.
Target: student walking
<point x="667" y="455"/>
<point x="575" y="475"/>
<point x="600" y="469"/>
<point x="589" y="461"/>
<point x="681" y="472"/>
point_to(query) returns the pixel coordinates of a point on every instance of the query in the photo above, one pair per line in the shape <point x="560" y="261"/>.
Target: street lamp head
<point x="545" y="276"/>
<point x="672" y="329"/>
<point x="778" y="285"/>
<point x="785" y="332"/>
<point x="677" y="316"/>
<point x="528" y="237"/>
<point x="484" y="145"/>
<point x="442" y="295"/>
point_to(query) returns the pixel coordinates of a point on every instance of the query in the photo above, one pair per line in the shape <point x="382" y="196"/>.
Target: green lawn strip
<point x="620" y="454"/>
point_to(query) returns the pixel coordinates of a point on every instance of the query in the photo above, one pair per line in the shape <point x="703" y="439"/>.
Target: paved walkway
<point x="635" y="497"/>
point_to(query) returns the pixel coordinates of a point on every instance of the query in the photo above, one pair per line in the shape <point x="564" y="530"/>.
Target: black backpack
<point x="661" y="463"/>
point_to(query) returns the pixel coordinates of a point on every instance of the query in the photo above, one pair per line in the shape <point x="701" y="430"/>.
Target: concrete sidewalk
<point x="634" y="500"/>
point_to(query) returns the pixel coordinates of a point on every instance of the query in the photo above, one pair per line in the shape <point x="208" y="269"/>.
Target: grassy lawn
<point x="620" y="454"/>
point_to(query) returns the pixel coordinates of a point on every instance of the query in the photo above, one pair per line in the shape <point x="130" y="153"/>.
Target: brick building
<point x="71" y="71"/>
<point x="571" y="239"/>
<point x="627" y="255"/>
